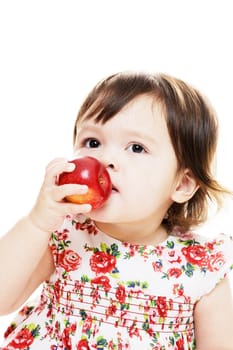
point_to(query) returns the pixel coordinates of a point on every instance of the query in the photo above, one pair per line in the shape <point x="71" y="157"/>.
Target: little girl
<point x="132" y="274"/>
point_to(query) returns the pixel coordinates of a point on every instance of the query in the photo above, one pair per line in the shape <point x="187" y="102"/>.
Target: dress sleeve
<point x="220" y="261"/>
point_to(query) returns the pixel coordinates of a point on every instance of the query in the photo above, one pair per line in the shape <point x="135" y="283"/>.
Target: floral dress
<point x="110" y="295"/>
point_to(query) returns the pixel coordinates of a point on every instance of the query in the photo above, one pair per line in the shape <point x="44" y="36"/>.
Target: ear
<point x="186" y="187"/>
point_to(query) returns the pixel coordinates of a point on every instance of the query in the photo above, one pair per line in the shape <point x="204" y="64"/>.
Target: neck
<point x="137" y="234"/>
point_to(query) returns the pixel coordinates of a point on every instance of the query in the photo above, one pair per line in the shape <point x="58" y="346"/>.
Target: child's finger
<point x="73" y="209"/>
<point x="55" y="168"/>
<point x="60" y="192"/>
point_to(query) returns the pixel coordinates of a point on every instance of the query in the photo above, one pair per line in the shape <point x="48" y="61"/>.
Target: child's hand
<point x="50" y="208"/>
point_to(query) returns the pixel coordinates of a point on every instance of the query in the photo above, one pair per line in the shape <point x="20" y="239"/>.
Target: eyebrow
<point x="140" y="135"/>
<point x="88" y="128"/>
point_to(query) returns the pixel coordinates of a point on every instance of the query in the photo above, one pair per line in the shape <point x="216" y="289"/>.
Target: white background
<point x="53" y="52"/>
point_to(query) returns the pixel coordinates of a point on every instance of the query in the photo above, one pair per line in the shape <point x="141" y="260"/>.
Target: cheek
<point x="150" y="179"/>
<point x="158" y="185"/>
<point x="139" y="188"/>
<point x="81" y="152"/>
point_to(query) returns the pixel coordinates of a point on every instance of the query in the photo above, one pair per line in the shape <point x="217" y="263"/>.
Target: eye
<point x="137" y="148"/>
<point x="91" y="143"/>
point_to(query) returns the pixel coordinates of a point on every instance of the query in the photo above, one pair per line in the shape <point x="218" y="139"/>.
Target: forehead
<point x="141" y="112"/>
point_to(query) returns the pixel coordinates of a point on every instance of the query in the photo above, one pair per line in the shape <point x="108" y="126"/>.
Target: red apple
<point x="88" y="171"/>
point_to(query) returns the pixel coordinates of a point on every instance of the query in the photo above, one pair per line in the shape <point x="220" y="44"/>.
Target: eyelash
<point x="87" y="143"/>
<point x="139" y="147"/>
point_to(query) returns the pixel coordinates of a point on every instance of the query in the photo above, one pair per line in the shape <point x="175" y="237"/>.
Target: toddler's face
<point x="136" y="149"/>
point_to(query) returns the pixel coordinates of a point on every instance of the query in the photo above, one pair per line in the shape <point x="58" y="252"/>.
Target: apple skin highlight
<point x="88" y="171"/>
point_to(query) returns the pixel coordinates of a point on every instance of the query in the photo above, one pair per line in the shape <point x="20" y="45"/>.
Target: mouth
<point x="114" y="189"/>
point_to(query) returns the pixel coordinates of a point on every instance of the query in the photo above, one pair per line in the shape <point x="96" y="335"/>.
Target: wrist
<point x="35" y="224"/>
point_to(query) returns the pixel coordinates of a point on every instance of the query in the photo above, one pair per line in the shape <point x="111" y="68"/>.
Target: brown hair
<point x="192" y="126"/>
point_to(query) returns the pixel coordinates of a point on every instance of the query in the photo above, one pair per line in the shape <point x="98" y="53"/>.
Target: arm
<point x="21" y="250"/>
<point x="25" y="258"/>
<point x="213" y="319"/>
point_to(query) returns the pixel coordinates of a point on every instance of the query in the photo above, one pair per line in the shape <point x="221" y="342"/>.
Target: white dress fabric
<point x="112" y="295"/>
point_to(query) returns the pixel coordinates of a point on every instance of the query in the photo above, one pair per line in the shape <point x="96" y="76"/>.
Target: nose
<point x="111" y="166"/>
<point x="109" y="161"/>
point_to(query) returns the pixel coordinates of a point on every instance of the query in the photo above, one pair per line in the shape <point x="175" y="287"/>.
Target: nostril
<point x="111" y="166"/>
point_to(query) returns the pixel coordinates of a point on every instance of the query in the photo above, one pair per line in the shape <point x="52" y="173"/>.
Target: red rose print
<point x="22" y="340"/>
<point x="174" y="272"/>
<point x="162" y="306"/>
<point x="157" y="265"/>
<point x="66" y="341"/>
<point x="10" y="329"/>
<point x="111" y="346"/>
<point x="120" y="294"/>
<point x="62" y="236"/>
<point x="112" y="309"/>
<point x="210" y="245"/>
<point x="179" y="344"/>
<point x="216" y="261"/>
<point x="87" y="324"/>
<point x="102" y="281"/>
<point x="87" y="225"/>
<point x="152" y="317"/>
<point x="69" y="260"/>
<point x="196" y="255"/>
<point x="134" y="331"/>
<point x="26" y="310"/>
<point x="102" y="262"/>
<point x="82" y="345"/>
<point x="57" y="290"/>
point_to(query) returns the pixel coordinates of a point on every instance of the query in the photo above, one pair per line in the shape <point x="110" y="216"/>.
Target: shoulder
<point x="207" y="252"/>
<point x="192" y="241"/>
<point x="210" y="259"/>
